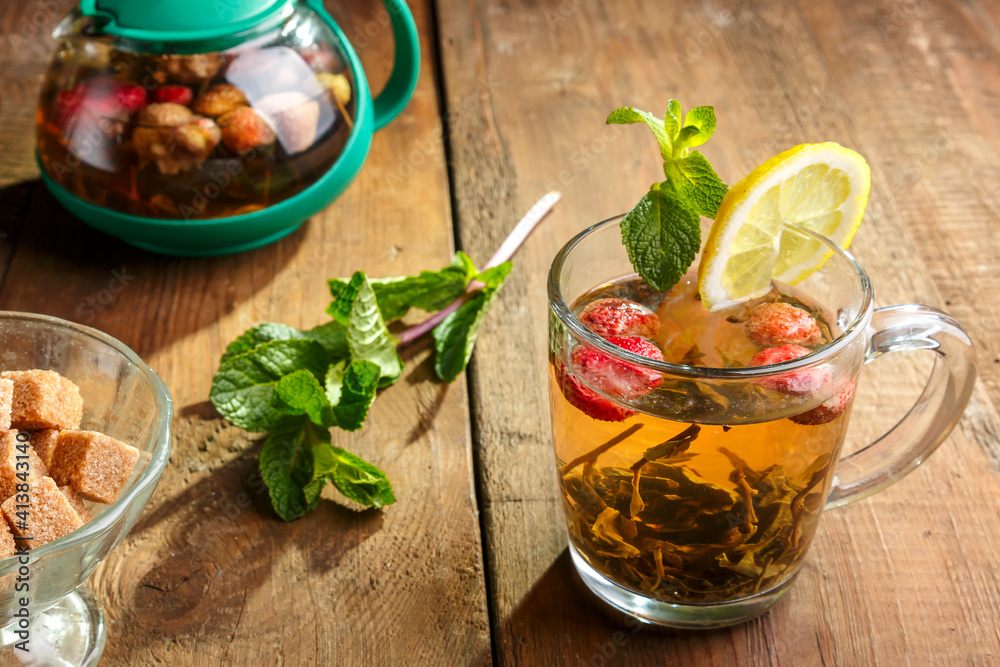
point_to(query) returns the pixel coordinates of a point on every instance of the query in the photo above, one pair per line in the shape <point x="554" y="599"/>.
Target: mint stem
<point x="506" y="250"/>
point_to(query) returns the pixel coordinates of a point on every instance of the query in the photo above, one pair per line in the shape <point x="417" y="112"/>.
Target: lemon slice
<point x="821" y="187"/>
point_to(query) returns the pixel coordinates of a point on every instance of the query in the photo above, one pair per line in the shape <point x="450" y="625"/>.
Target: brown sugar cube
<point x="44" y="444"/>
<point x="95" y="465"/>
<point x="6" y="541"/>
<point x="6" y="400"/>
<point x="77" y="502"/>
<point x="44" y="399"/>
<point x="47" y="516"/>
<point x="18" y="458"/>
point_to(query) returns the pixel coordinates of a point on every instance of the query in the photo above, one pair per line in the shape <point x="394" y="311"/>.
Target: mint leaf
<point x="301" y="392"/>
<point x="354" y="477"/>
<point x="662" y="238"/>
<point x="629" y="115"/>
<point x="430" y="291"/>
<point x="361" y="481"/>
<point x="262" y="333"/>
<point x="286" y="464"/>
<point x="367" y="336"/>
<point x="699" y="126"/>
<point x="332" y="336"/>
<point x="344" y="294"/>
<point x="696" y="184"/>
<point x="243" y="387"/>
<point x="493" y="278"/>
<point x="334" y="381"/>
<point x="455" y="337"/>
<point x="672" y="123"/>
<point x="351" y="390"/>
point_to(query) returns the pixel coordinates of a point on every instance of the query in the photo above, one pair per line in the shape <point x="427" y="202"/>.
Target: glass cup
<point x="63" y="622"/>
<point x="695" y="506"/>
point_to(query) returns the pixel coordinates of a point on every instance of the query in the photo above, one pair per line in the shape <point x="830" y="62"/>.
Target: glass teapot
<point x="201" y="128"/>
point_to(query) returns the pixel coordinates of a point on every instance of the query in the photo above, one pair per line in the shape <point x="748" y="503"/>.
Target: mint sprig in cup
<point x="663" y="231"/>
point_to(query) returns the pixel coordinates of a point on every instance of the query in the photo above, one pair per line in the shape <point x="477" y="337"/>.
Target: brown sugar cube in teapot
<point x="6" y="541"/>
<point x="43" y="399"/>
<point x="95" y="465"/>
<point x="6" y="400"/>
<point x="44" y="444"/>
<point x="77" y="502"/>
<point x="47" y="515"/>
<point x="19" y="464"/>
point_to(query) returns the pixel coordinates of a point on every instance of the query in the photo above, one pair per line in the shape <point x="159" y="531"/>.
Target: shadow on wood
<point x="125" y="291"/>
<point x="189" y="565"/>
<point x="582" y="631"/>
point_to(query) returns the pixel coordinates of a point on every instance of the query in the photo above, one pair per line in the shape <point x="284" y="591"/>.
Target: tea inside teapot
<point x="199" y="135"/>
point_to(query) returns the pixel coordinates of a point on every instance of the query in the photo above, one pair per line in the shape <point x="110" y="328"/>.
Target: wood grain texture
<point x="209" y="576"/>
<point x="904" y="578"/>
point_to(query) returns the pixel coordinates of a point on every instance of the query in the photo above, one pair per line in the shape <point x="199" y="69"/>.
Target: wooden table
<point x="470" y="566"/>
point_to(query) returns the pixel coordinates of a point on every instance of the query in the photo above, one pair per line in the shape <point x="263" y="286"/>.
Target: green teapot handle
<point x="405" y="70"/>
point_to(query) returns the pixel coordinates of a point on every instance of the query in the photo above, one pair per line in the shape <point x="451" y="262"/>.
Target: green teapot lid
<point x="168" y="24"/>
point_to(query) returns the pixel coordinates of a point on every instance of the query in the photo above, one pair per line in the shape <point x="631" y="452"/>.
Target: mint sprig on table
<point x="298" y="384"/>
<point x="662" y="233"/>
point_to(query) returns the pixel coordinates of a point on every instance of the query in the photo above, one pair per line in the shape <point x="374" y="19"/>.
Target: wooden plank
<point x="902" y="578"/>
<point x="208" y="576"/>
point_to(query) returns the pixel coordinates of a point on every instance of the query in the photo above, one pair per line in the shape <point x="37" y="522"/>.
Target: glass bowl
<point x="125" y="399"/>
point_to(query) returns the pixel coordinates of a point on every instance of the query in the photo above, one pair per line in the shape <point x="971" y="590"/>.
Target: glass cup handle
<point x="907" y="444"/>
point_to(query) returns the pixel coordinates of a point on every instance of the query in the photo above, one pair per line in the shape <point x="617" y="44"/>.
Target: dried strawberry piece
<point x="620" y="317"/>
<point x="131" y="96"/>
<point x="244" y="129"/>
<point x="110" y="98"/>
<point x="828" y="411"/>
<point x="782" y="323"/>
<point x="797" y="383"/>
<point x="588" y="400"/>
<point x="173" y="94"/>
<point x="67" y="104"/>
<point x="612" y="376"/>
